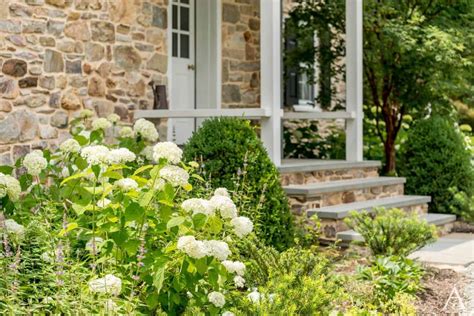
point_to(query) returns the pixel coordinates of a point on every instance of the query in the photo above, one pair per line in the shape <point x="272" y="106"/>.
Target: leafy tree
<point x="415" y="58"/>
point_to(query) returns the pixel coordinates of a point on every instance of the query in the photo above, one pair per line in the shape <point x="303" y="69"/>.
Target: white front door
<point x="183" y="90"/>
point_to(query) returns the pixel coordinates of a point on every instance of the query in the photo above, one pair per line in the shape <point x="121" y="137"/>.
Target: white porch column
<point x="354" y="79"/>
<point x="270" y="68"/>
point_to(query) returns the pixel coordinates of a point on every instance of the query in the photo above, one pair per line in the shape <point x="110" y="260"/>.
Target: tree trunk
<point x="390" y="160"/>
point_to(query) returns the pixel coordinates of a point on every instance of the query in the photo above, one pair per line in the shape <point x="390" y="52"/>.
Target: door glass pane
<point x="175" y="44"/>
<point x="184" y="46"/>
<point x="175" y="17"/>
<point x="184" y="19"/>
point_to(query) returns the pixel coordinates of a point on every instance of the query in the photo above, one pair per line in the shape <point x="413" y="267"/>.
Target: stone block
<point x="15" y="67"/>
<point x="53" y="61"/>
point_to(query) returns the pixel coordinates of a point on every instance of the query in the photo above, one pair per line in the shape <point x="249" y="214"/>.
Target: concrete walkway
<point x="455" y="251"/>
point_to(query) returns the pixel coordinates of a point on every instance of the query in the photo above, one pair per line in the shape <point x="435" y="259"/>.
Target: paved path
<point x="454" y="251"/>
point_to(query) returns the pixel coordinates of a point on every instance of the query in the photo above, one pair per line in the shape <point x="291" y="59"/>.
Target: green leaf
<point x="142" y="169"/>
<point x="113" y="175"/>
<point x="68" y="228"/>
<point x="215" y="224"/>
<point x="75" y="176"/>
<point x="146" y="198"/>
<point x="199" y="220"/>
<point x="6" y="170"/>
<point x="96" y="169"/>
<point x="158" y="279"/>
<point x="133" y="212"/>
<point x="201" y="265"/>
<point x="131" y="246"/>
<point x="175" y="221"/>
<point x="81" y="140"/>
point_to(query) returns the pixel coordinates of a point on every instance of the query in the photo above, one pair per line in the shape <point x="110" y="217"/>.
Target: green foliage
<point x="233" y="156"/>
<point x="390" y="277"/>
<point x="435" y="160"/>
<point x="303" y="139"/>
<point x="392" y="232"/>
<point x="463" y="205"/>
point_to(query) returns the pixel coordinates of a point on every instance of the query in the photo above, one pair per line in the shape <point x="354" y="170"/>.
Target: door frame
<point x="218" y="48"/>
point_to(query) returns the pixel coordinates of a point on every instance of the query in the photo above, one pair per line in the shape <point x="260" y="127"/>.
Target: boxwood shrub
<point x="229" y="147"/>
<point x="435" y="162"/>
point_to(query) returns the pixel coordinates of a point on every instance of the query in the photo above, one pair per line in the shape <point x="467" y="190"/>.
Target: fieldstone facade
<point x="240" y="53"/>
<point x="60" y="56"/>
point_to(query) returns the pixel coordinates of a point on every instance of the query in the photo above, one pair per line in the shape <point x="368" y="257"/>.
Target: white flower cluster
<point x="86" y="113"/>
<point x="9" y="186"/>
<point x="70" y="146"/>
<point x="194" y="248"/>
<point x="103" y="203"/>
<point x="121" y="155"/>
<point x="224" y="205"/>
<point x="217" y="249"/>
<point x="100" y="154"/>
<point x="174" y="175"/>
<point x="216" y="298"/>
<point x="227" y="313"/>
<point x="126" y="132"/>
<point x="255" y="296"/>
<point x="236" y="267"/>
<point x="113" y="118"/>
<point x="147" y="152"/>
<point x="198" y="206"/>
<point x="239" y="282"/>
<point x="146" y="129"/>
<point x="169" y="151"/>
<point x="96" y="243"/>
<point x="110" y="284"/>
<point x="101" y="123"/>
<point x="242" y="226"/>
<point x="127" y="184"/>
<point x="34" y="162"/>
<point x="221" y="192"/>
<point x="12" y="227"/>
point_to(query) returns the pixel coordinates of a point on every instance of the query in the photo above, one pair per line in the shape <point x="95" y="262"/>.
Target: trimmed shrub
<point x="435" y="162"/>
<point x="392" y="232"/>
<point x="233" y="156"/>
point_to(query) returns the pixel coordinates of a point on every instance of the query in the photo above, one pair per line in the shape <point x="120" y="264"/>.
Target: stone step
<point x="337" y="212"/>
<point x="432" y="218"/>
<point x="316" y="189"/>
<point x="304" y="171"/>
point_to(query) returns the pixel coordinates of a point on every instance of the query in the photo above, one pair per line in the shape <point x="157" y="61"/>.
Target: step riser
<point x="330" y="227"/>
<point x="293" y="178"/>
<point x="299" y="204"/>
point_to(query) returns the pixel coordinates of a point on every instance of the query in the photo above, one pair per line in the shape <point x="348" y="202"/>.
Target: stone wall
<point x="60" y="56"/>
<point x="240" y="53"/>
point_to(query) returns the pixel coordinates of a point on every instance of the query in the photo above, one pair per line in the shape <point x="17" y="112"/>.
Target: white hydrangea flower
<point x="70" y="146"/>
<point x="218" y="249"/>
<point x="217" y="299"/>
<point x="242" y="226"/>
<point x="110" y="284"/>
<point x="158" y="184"/>
<point x="254" y="296"/>
<point x="113" y="118"/>
<point x="227" y="313"/>
<point x="110" y="306"/>
<point x="146" y="129"/>
<point x="127" y="184"/>
<point x="34" y="162"/>
<point x="14" y="228"/>
<point x="126" y="132"/>
<point x="168" y="150"/>
<point x="101" y="123"/>
<point x="98" y="244"/>
<point x="120" y="156"/>
<point x="147" y="152"/>
<point x="86" y="113"/>
<point x="198" y="206"/>
<point x="9" y="186"/>
<point x="221" y="192"/>
<point x="224" y="205"/>
<point x="194" y="248"/>
<point x="103" y="203"/>
<point x="239" y="282"/>
<point x="175" y="175"/>
<point x="95" y="155"/>
<point x="236" y="267"/>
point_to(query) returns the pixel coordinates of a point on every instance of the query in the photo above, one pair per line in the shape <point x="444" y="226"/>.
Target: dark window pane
<point x="175" y="45"/>
<point x="184" y="19"/>
<point x="175" y="17"/>
<point x="185" y="1"/>
<point x="184" y="46"/>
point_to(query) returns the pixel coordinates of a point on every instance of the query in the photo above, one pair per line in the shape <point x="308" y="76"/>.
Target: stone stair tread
<point x="313" y="189"/>
<point x="342" y="210"/>
<point x="431" y="218"/>
<point x="308" y="165"/>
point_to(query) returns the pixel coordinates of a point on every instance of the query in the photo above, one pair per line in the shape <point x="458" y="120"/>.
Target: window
<point x="181" y="36"/>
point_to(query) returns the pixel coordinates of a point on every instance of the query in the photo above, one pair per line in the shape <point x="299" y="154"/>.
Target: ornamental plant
<point x="233" y="156"/>
<point x="110" y="223"/>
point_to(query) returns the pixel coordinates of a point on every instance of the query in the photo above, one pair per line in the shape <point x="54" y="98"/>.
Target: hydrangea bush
<point x="118" y="224"/>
